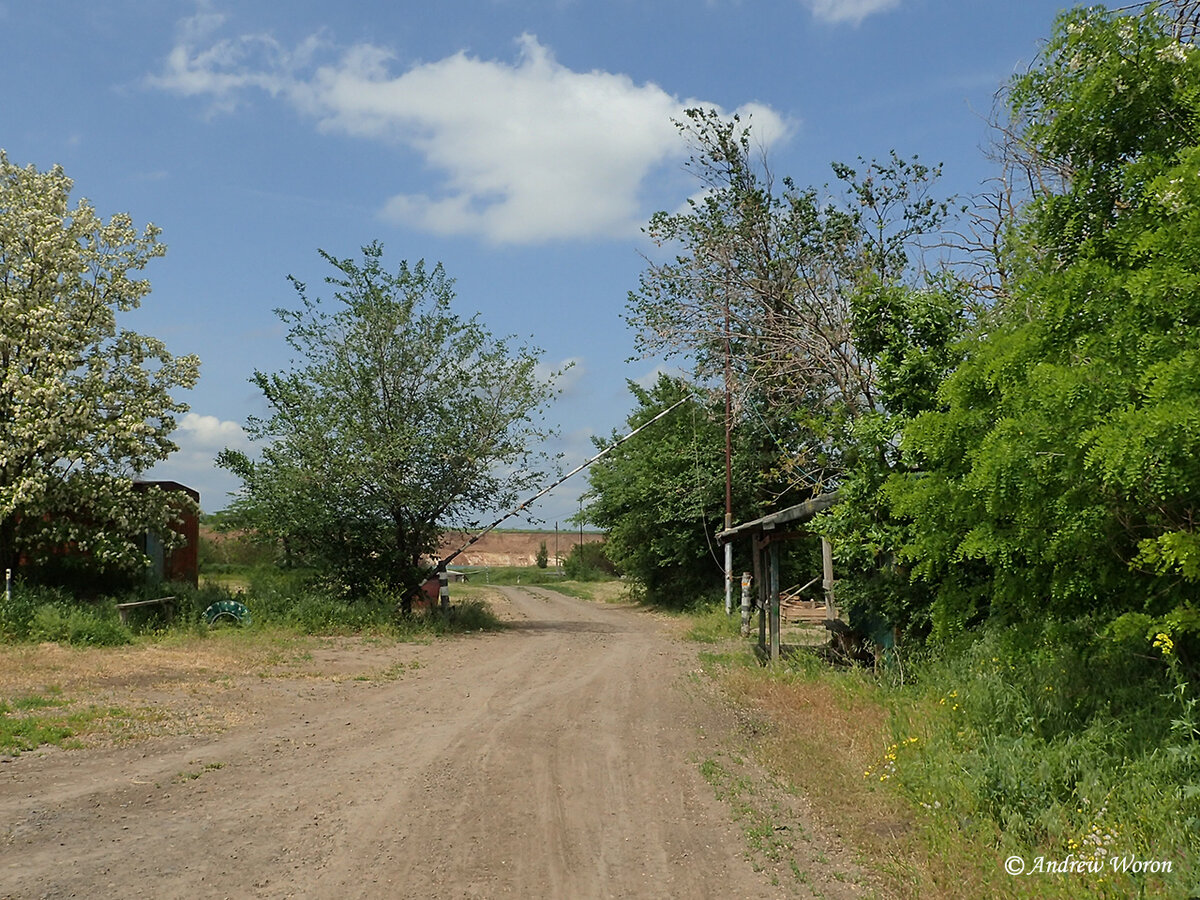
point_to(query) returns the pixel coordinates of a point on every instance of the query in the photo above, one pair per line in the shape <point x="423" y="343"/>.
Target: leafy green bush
<point x="1056" y="738"/>
<point x="711" y="625"/>
<point x="77" y="625"/>
<point x="469" y="615"/>
<point x="38" y="613"/>
<point x="314" y="612"/>
<point x="589" y="562"/>
<point x="16" y="615"/>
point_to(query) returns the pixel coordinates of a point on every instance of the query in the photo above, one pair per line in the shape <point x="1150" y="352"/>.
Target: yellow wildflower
<point x="1163" y="642"/>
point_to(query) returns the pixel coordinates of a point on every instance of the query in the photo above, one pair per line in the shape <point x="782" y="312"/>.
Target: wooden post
<point x="761" y="584"/>
<point x="444" y="588"/>
<point x="827" y="579"/>
<point x="773" y="551"/>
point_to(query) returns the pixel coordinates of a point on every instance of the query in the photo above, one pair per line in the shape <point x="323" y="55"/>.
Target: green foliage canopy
<point x="397" y="420"/>
<point x="659" y="494"/>
<point x="1061" y="470"/>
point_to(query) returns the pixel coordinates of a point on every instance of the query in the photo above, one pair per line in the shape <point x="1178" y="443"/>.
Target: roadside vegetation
<point x="54" y="645"/>
<point x="1040" y="744"/>
<point x="294" y="602"/>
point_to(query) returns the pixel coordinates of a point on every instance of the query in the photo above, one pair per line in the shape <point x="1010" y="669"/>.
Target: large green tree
<point x="661" y="495"/>
<point x="815" y="306"/>
<point x="747" y="290"/>
<point x="756" y="285"/>
<point x="1061" y="469"/>
<point x="85" y="404"/>
<point x="397" y="420"/>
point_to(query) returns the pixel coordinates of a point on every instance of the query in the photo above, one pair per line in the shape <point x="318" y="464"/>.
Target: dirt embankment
<point x="564" y="757"/>
<point x="496" y="548"/>
<point x="513" y="548"/>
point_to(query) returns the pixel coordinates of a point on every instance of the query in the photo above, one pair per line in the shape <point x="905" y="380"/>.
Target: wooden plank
<point x="167" y="603"/>
<point x="159" y="601"/>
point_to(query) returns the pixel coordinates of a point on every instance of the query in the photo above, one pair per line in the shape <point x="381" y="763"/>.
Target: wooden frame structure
<point x="767" y="534"/>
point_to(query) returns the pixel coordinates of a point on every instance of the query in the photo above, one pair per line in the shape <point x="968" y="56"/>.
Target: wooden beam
<point x="793" y="515"/>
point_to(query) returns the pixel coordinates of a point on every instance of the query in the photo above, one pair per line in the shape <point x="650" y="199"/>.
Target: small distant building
<point x="67" y="565"/>
<point x="182" y="563"/>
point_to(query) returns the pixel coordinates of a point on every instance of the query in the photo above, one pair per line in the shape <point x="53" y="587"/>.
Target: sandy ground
<point x="559" y="759"/>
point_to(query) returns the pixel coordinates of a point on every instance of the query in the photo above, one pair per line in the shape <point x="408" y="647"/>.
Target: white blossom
<point x="84" y="403"/>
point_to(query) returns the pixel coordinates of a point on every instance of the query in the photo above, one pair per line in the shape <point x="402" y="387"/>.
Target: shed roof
<point x="793" y="515"/>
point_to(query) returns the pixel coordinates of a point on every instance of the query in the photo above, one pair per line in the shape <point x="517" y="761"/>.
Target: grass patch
<point x="768" y="831"/>
<point x="578" y="589"/>
<point x="194" y="774"/>
<point x="510" y="575"/>
<point x="710" y="625"/>
<point x="609" y="590"/>
<point x="50" y="718"/>
<point x="394" y="672"/>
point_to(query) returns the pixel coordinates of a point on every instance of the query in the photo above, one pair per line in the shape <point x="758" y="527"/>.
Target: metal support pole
<point x="8" y="585"/>
<point x="728" y="577"/>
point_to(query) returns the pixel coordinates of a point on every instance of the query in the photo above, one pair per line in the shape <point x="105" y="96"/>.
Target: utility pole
<point x="728" y="463"/>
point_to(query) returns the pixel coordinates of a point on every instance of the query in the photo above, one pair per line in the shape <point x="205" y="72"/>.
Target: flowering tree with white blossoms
<point x="85" y="405"/>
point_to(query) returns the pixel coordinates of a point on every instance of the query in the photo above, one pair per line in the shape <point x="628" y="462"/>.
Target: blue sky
<point x="523" y="143"/>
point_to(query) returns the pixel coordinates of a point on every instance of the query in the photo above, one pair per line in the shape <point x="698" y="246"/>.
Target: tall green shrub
<point x="1060" y="470"/>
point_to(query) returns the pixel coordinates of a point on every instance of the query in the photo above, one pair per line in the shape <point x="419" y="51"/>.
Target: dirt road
<point x="558" y="759"/>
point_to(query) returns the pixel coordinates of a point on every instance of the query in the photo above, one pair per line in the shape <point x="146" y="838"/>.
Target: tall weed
<point x="37" y="613"/>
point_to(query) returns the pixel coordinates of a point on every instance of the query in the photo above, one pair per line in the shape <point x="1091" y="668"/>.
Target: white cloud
<point x="848" y="10"/>
<point x="647" y="381"/>
<point x="200" y="439"/>
<point x="202" y="433"/>
<point x="226" y="67"/>
<point x="524" y="152"/>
